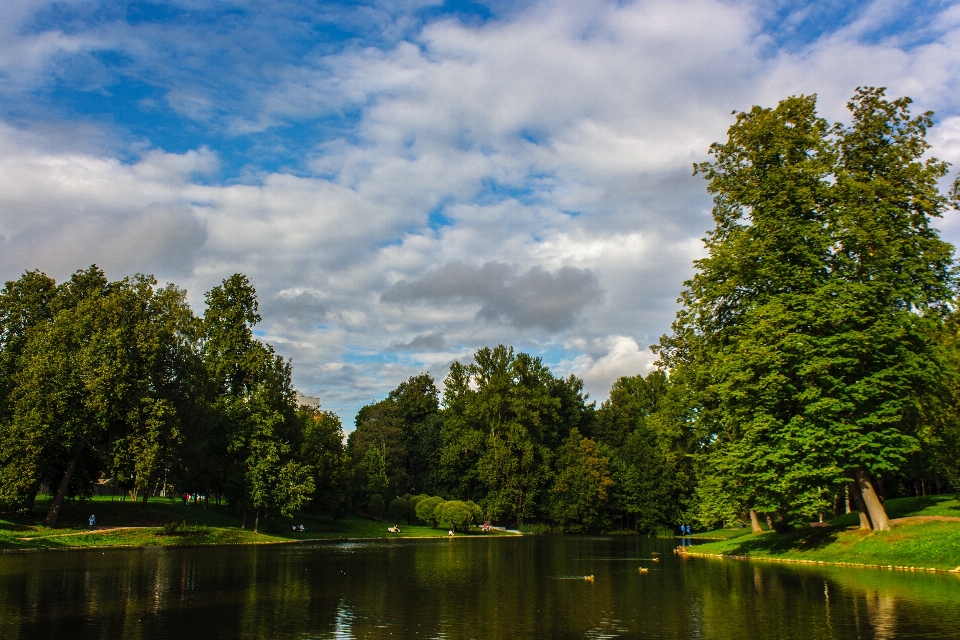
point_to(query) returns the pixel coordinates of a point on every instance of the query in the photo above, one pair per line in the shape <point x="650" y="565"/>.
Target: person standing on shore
<point x="93" y="521"/>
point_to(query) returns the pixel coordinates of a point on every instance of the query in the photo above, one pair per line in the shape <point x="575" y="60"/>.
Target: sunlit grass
<point x="911" y="543"/>
<point x="128" y="523"/>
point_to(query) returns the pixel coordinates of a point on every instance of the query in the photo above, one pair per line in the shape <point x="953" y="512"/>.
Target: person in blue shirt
<point x="93" y="521"/>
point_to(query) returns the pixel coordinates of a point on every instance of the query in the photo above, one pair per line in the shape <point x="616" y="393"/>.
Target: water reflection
<point x="460" y="588"/>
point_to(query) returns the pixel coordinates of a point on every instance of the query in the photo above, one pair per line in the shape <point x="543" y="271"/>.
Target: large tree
<point x="807" y="325"/>
<point x="254" y="405"/>
<point x="504" y="415"/>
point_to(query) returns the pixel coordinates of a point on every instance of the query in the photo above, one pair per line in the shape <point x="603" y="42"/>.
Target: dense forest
<point x="813" y="368"/>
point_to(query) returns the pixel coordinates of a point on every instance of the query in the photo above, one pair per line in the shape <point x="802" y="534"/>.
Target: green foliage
<point x="120" y="380"/>
<point x="535" y="529"/>
<point x="174" y="528"/>
<point x="632" y="399"/>
<point x="401" y="509"/>
<point x="322" y="449"/>
<point x="375" y="506"/>
<point x="426" y="510"/>
<point x="581" y="485"/>
<point x="458" y="515"/>
<point x="502" y="419"/>
<point x="374" y="471"/>
<point x="805" y="334"/>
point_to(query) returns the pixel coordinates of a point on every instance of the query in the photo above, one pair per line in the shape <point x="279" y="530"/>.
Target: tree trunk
<point x="32" y="498"/>
<point x="846" y="491"/>
<point x="878" y="515"/>
<point x="146" y="495"/>
<point x="770" y="522"/>
<point x="854" y="492"/>
<point x="755" y="522"/>
<point x="54" y="512"/>
<point x="243" y="519"/>
<point x="256" y="521"/>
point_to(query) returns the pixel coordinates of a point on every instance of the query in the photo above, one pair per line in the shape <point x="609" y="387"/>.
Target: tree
<point x="807" y="325"/>
<point x="26" y="304"/>
<point x="401" y="509"/>
<point x="322" y="450"/>
<point x="581" y="486"/>
<point x="631" y="400"/>
<point x="501" y="415"/>
<point x="254" y="403"/>
<point x="375" y="505"/>
<point x="458" y="514"/>
<point x="426" y="510"/>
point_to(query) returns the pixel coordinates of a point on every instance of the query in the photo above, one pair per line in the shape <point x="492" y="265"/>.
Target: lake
<point x="529" y="587"/>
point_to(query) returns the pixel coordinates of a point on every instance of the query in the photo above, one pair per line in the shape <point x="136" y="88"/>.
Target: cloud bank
<point x="404" y="182"/>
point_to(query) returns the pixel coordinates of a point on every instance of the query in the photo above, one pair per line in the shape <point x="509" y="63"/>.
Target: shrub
<point x="535" y="529"/>
<point x="175" y="528"/>
<point x="375" y="506"/>
<point x="457" y="514"/>
<point x="662" y="531"/>
<point x="426" y="510"/>
<point x="400" y="509"/>
<point x="476" y="511"/>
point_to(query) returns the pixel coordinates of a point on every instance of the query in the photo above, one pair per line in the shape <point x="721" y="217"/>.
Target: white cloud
<point x="623" y="357"/>
<point x="556" y="139"/>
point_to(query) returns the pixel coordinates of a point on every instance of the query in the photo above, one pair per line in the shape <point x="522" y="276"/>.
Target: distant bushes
<point x="537" y="529"/>
<point x="375" y="506"/>
<point x="456" y="514"/>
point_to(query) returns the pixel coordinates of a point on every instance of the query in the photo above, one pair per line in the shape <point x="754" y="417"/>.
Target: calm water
<point x="460" y="588"/>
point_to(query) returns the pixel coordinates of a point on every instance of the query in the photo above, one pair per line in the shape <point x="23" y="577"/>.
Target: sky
<point x="406" y="181"/>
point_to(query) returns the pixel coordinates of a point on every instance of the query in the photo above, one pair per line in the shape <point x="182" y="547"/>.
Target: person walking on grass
<point x="93" y="521"/>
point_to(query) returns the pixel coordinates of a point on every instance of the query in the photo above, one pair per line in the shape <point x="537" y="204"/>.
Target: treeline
<point x="525" y="446"/>
<point x="120" y="381"/>
<point x="813" y="368"/>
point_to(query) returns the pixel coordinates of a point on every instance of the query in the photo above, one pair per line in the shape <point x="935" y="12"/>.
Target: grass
<point x="171" y="523"/>
<point x="917" y="543"/>
<point x="721" y="534"/>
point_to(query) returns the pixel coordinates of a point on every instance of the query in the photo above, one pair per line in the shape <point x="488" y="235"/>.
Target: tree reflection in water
<point x="459" y="588"/>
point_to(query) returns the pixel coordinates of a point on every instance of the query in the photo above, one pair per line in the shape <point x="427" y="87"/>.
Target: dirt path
<point x="910" y="519"/>
<point x="82" y="533"/>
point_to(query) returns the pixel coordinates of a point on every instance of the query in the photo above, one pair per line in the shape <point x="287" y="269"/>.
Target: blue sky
<point x="405" y="182"/>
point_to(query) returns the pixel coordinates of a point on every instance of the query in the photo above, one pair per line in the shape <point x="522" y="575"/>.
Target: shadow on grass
<point x="779" y="544"/>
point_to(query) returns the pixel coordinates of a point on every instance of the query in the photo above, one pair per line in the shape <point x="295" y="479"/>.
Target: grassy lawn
<point x="129" y="524"/>
<point x="912" y="543"/>
<point x="722" y="534"/>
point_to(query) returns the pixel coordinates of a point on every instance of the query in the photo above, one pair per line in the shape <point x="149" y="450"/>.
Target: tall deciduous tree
<point x="254" y="403"/>
<point x="581" y="485"/>
<point x="500" y="418"/>
<point x="807" y="325"/>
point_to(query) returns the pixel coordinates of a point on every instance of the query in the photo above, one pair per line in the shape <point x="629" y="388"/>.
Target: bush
<point x="400" y="509"/>
<point x="459" y="515"/>
<point x="375" y="506"/>
<point x="175" y="528"/>
<point x="426" y="510"/>
<point x="535" y="529"/>
<point x="415" y="500"/>
<point x="476" y="511"/>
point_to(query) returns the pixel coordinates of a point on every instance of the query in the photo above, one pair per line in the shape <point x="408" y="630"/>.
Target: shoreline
<point x="273" y="541"/>
<point x="682" y="551"/>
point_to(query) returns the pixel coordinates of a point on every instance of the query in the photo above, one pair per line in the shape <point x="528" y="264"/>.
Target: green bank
<point x="923" y="536"/>
<point x="171" y="523"/>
